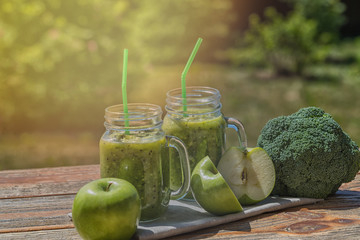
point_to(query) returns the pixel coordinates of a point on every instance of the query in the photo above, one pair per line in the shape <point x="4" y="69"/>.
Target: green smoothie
<point x="202" y="135"/>
<point x="144" y="163"/>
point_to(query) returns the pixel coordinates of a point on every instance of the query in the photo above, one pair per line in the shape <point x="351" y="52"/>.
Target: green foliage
<point x="54" y="56"/>
<point x="58" y="56"/>
<point x="328" y="14"/>
<point x="311" y="153"/>
<point x="346" y="52"/>
<point x="166" y="32"/>
<point x="288" y="44"/>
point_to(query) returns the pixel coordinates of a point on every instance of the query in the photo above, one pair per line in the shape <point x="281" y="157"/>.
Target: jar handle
<point x="176" y="143"/>
<point x="239" y="128"/>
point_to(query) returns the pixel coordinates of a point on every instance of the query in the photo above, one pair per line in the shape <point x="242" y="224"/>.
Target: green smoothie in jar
<point x="202" y="137"/>
<point x="201" y="126"/>
<point x="139" y="153"/>
<point x="142" y="163"/>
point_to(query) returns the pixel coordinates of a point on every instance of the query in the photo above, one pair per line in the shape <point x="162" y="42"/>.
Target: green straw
<point x="124" y="94"/>
<point x="186" y="69"/>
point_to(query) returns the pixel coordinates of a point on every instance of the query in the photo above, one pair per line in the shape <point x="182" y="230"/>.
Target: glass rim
<point x="136" y="111"/>
<point x="199" y="100"/>
<point x="193" y="92"/>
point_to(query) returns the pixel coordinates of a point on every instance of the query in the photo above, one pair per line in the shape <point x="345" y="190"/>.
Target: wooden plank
<point x="338" y="217"/>
<point x="294" y="223"/>
<point x="234" y="232"/>
<point x="38" y="214"/>
<point x="318" y="220"/>
<point x="46" y="181"/>
<point x="35" y="213"/>
<point x="58" y="234"/>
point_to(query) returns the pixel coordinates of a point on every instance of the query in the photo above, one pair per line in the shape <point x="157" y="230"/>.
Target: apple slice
<point x="211" y="191"/>
<point x="250" y="174"/>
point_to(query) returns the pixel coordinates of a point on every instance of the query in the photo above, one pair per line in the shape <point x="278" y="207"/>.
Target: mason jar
<point x="198" y="121"/>
<point x="135" y="148"/>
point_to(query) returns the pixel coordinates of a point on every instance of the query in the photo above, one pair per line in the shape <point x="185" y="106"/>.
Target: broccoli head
<point x="311" y="153"/>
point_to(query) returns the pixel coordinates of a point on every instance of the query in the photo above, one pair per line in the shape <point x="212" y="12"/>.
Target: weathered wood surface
<point x="46" y="181"/>
<point x="34" y="204"/>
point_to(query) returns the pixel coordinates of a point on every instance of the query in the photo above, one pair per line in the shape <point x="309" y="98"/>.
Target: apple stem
<point x="108" y="187"/>
<point x="245" y="151"/>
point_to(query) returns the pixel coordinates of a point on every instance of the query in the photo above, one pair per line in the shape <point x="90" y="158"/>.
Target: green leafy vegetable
<point x="312" y="155"/>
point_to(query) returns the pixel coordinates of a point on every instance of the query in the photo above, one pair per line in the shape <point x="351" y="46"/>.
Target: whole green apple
<point x="107" y="208"/>
<point x="211" y="190"/>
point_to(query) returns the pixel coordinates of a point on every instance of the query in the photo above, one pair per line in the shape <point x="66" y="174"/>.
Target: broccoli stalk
<point x="311" y="153"/>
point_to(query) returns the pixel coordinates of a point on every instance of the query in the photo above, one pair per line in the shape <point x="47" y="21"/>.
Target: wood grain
<point x="46" y="181"/>
<point x="35" y="213"/>
<point x="57" y="234"/>
<point x="338" y="217"/>
<point x="325" y="220"/>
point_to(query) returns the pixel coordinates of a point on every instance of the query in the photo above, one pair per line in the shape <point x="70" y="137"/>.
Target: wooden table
<point x="34" y="204"/>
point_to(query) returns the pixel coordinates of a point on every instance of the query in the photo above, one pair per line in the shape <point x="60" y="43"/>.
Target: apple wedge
<point x="211" y="191"/>
<point x="250" y="174"/>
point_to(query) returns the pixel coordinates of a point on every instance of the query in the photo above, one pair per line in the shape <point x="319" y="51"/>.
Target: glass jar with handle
<point x="135" y="148"/>
<point x="197" y="120"/>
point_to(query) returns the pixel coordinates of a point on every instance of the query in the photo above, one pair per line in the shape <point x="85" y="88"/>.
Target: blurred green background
<point x="61" y="65"/>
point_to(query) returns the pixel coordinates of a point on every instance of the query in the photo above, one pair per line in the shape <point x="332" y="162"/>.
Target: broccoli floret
<point x="311" y="153"/>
